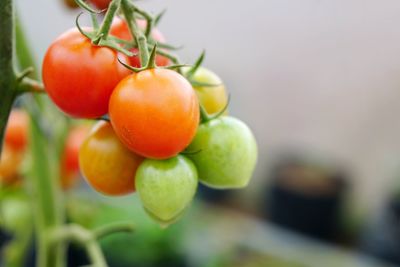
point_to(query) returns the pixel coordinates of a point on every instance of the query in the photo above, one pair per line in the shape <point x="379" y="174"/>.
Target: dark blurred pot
<point x="306" y="198"/>
<point x="214" y="196"/>
<point x="382" y="237"/>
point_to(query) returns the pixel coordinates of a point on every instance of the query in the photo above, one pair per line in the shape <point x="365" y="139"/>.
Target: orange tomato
<point x="10" y="161"/>
<point x="107" y="165"/>
<point x="16" y="135"/>
<point x="155" y="113"/>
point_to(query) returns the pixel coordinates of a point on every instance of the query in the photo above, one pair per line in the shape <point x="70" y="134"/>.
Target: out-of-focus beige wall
<point x="320" y="74"/>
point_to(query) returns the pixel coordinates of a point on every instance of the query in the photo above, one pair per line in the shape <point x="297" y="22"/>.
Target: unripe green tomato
<point x="227" y="153"/>
<point x="166" y="187"/>
<point x="213" y="98"/>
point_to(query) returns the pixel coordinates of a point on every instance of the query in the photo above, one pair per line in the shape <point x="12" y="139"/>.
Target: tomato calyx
<point x="142" y="40"/>
<point x="99" y="39"/>
<point x="205" y="117"/>
<point x="191" y="72"/>
<point x="151" y="64"/>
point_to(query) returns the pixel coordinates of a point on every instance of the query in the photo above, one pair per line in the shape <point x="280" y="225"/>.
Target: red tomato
<point x="120" y="29"/>
<point x="16" y="135"/>
<point x="70" y="160"/>
<point x="155" y="113"/>
<point x="101" y="4"/>
<point x="80" y="77"/>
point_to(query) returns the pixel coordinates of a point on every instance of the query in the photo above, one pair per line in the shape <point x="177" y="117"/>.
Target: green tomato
<point x="166" y="187"/>
<point x="227" y="153"/>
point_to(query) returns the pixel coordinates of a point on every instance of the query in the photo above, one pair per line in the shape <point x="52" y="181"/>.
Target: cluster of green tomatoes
<point x="160" y="130"/>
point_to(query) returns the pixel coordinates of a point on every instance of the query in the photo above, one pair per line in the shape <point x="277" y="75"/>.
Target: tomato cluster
<point x="155" y="138"/>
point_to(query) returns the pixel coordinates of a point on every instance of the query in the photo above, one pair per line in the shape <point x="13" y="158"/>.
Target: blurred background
<point x="318" y="82"/>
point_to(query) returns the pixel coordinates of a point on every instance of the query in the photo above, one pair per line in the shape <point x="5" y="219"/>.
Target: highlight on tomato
<point x="163" y="113"/>
<point x="79" y="77"/>
<point x="107" y="165"/>
<point x="120" y="29"/>
<point x="166" y="187"/>
<point x="70" y="157"/>
<point x="226" y="153"/>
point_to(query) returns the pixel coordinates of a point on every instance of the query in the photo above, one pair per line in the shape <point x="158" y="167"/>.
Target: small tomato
<point x="70" y="159"/>
<point x="16" y="135"/>
<point x="166" y="187"/>
<point x="227" y="153"/>
<point x="107" y="165"/>
<point x="79" y="77"/>
<point x="10" y="162"/>
<point x="155" y="113"/>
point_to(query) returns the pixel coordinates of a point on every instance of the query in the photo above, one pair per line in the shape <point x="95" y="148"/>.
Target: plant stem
<point x="108" y="19"/>
<point x="46" y="193"/>
<point x="113" y="228"/>
<point x="7" y="77"/>
<point x="48" y="204"/>
<point x="78" y="234"/>
<point x="128" y="9"/>
<point x="29" y="85"/>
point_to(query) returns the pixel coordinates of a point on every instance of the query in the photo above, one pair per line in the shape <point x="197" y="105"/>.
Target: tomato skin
<point x="16" y="135"/>
<point x="106" y="164"/>
<point x="70" y="159"/>
<point x="213" y="98"/>
<point x="101" y="4"/>
<point x="80" y="77"/>
<point x="227" y="153"/>
<point x="163" y="113"/>
<point x="166" y="187"/>
<point x="120" y="29"/>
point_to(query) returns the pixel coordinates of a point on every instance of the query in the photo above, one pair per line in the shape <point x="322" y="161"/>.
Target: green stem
<point x="108" y="19"/>
<point x="29" y="85"/>
<point x="7" y="77"/>
<point x="77" y="234"/>
<point x="128" y="9"/>
<point x="113" y="228"/>
<point x="47" y="200"/>
<point x="25" y="58"/>
<point x="46" y="192"/>
<point x="149" y="19"/>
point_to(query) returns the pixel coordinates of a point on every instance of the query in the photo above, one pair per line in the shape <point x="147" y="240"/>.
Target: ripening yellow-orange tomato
<point x="107" y="165"/>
